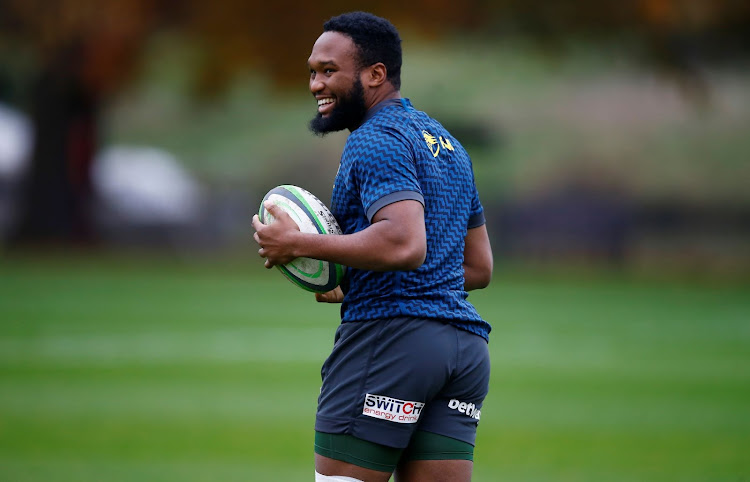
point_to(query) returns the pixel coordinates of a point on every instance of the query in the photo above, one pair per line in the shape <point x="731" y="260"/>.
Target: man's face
<point x="336" y="84"/>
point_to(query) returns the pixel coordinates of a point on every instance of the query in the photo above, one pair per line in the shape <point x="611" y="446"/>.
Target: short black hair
<point x="376" y="39"/>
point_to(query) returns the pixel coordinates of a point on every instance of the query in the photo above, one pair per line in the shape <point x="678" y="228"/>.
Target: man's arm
<point x="477" y="259"/>
<point x="395" y="240"/>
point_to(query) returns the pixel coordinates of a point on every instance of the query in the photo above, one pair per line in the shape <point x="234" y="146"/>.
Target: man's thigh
<point x="328" y="466"/>
<point x="426" y="457"/>
<point x="434" y="471"/>
<point x="411" y="471"/>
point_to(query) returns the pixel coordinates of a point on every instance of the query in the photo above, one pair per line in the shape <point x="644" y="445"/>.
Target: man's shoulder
<point x="383" y="127"/>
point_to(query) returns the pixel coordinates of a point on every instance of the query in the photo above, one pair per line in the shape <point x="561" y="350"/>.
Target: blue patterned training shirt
<point x="400" y="153"/>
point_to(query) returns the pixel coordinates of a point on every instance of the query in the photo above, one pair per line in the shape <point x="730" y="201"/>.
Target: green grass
<point x="146" y="368"/>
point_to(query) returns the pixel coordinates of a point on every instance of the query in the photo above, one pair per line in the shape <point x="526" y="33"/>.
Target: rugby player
<point x="404" y="385"/>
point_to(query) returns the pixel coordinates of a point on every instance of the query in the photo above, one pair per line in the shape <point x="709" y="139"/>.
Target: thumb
<point x="277" y="212"/>
<point x="272" y="211"/>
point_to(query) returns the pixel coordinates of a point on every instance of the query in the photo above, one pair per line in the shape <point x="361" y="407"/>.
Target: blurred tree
<point x="82" y="54"/>
<point x="84" y="50"/>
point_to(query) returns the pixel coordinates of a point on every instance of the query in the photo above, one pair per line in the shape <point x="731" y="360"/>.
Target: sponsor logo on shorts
<point x="468" y="409"/>
<point x="392" y="409"/>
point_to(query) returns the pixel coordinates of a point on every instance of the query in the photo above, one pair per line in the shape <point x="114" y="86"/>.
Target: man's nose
<point x="316" y="85"/>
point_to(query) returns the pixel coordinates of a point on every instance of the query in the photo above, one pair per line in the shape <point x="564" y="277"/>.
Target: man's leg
<point x="434" y="471"/>
<point x="345" y="455"/>
<point x="432" y="457"/>
<point x="329" y="466"/>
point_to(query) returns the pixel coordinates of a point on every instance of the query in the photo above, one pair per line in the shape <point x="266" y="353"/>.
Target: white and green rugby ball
<point x="312" y="216"/>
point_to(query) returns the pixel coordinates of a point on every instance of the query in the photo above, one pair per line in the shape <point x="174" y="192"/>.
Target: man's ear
<point x="377" y="74"/>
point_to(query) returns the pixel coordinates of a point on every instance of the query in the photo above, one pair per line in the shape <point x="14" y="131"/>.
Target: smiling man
<point x="404" y="385"/>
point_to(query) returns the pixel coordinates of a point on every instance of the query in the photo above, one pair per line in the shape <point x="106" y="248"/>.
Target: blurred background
<point x="140" y="337"/>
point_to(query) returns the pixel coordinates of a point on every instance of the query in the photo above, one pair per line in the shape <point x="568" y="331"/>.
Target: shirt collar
<point x="381" y="105"/>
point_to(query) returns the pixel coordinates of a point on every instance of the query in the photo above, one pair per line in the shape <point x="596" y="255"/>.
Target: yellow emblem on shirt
<point x="433" y="145"/>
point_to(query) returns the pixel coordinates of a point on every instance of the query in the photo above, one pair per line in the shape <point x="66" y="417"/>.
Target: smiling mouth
<point x="325" y="104"/>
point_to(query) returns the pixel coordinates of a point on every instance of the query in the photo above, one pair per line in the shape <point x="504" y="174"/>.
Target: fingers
<point x="270" y="239"/>
<point x="256" y="222"/>
<point x="336" y="295"/>
<point x="272" y="212"/>
<point x="263" y="254"/>
<point x="272" y="208"/>
<point x="275" y="213"/>
<point x="257" y="225"/>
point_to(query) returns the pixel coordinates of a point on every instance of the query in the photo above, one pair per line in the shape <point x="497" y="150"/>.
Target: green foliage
<point x="136" y="368"/>
<point x="532" y="120"/>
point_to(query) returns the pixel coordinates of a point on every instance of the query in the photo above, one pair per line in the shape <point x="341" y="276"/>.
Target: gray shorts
<point x="387" y="378"/>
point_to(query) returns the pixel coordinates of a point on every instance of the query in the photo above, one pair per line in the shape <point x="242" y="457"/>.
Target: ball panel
<point x="309" y="268"/>
<point x="311" y="216"/>
<point x="294" y="206"/>
<point x="330" y="282"/>
<point x="296" y="211"/>
<point x="316" y="209"/>
<point x="313" y="206"/>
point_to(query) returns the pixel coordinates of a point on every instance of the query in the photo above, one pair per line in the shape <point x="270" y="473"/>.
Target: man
<point x="403" y="387"/>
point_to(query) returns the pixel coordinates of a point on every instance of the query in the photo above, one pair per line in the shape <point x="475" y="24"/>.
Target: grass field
<point x="145" y="368"/>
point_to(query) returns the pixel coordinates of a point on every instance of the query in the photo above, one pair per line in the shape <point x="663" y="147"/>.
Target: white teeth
<point x="325" y="101"/>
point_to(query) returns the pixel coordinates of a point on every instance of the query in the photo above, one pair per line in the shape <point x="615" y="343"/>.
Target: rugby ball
<point x="312" y="216"/>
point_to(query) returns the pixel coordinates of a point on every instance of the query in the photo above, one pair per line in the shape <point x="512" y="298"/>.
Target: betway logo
<point x="466" y="408"/>
<point x="392" y="409"/>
